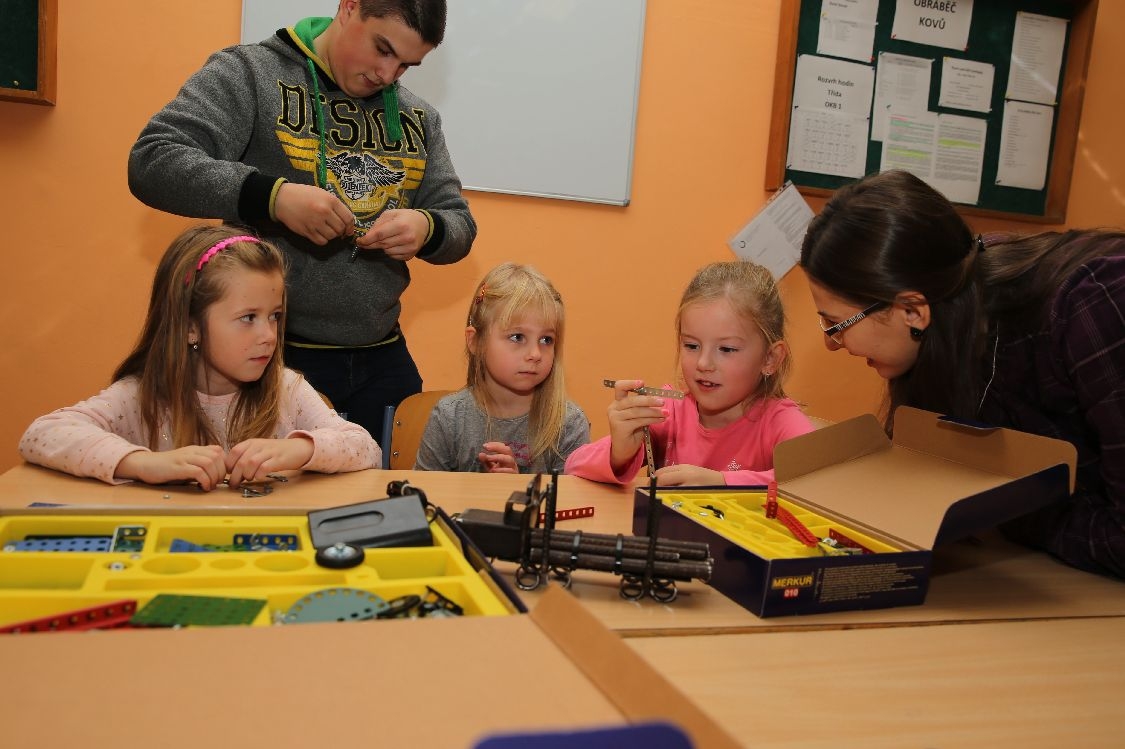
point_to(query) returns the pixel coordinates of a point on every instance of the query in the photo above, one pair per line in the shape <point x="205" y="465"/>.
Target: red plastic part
<point x="843" y="540"/>
<point x="799" y="529"/>
<point x="105" y="616"/>
<point x="771" y="500"/>
<point x="571" y="514"/>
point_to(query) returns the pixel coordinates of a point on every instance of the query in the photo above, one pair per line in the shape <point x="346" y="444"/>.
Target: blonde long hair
<point x="162" y="360"/>
<point x="752" y="293"/>
<point x="507" y="293"/>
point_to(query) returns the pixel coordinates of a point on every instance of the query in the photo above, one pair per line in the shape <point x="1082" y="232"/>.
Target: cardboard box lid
<point x="906" y="487"/>
<point x="425" y="682"/>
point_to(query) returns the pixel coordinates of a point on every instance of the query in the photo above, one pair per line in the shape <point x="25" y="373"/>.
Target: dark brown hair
<point x="427" y="17"/>
<point x="891" y="232"/>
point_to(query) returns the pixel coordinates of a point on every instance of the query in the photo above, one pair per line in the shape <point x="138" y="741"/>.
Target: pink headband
<point x="216" y="249"/>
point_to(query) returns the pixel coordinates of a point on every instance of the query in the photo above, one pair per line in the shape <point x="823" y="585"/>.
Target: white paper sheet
<point x="773" y="237"/>
<point x="1037" y="48"/>
<point x="860" y="10"/>
<point x="827" y="85"/>
<point x="902" y="83"/>
<point x="959" y="158"/>
<point x="966" y="84"/>
<point x="829" y="123"/>
<point x="828" y="143"/>
<point x="910" y="143"/>
<point x="945" y="151"/>
<point x="938" y="23"/>
<point x="847" y="28"/>
<point x="1025" y="143"/>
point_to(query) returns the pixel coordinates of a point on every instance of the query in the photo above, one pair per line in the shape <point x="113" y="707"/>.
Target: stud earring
<point x="917" y="333"/>
<point x="194" y="345"/>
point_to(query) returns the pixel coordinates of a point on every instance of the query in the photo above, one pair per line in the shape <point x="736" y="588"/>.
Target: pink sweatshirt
<point x="743" y="451"/>
<point x="91" y="438"/>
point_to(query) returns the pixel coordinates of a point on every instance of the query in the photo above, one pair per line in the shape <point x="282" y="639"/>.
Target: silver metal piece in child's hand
<point x="659" y="392"/>
<point x="649" y="459"/>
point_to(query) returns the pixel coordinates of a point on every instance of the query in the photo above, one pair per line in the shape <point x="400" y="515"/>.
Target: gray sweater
<point x="458" y="429"/>
<point x="246" y="119"/>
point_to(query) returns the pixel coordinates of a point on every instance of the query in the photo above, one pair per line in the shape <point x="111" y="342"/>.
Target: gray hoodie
<point x="245" y="120"/>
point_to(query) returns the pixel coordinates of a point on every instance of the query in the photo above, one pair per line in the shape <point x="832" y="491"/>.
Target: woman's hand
<point x="253" y="459"/>
<point x="203" y="464"/>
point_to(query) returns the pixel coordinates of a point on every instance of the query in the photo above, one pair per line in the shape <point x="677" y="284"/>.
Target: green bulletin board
<point x="27" y="50"/>
<point x="989" y="41"/>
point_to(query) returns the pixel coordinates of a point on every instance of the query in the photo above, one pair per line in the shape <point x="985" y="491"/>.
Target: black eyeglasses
<point x="835" y="332"/>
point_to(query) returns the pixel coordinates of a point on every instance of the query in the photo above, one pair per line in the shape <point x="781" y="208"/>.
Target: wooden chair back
<point x="409" y="423"/>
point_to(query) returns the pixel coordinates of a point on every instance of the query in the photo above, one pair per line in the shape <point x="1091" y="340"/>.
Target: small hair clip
<point x="980" y="243"/>
<point x="476" y="300"/>
<point x="215" y="249"/>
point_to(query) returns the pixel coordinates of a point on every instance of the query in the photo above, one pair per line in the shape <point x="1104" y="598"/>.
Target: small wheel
<point x="663" y="590"/>
<point x="339" y="556"/>
<point x="528" y="578"/>
<point x="632" y="588"/>
<point x="563" y="576"/>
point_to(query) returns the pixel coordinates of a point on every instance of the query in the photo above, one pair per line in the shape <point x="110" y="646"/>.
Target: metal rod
<point x="670" y="570"/>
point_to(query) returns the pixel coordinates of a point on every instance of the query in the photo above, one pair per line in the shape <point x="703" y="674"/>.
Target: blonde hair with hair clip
<point x="751" y="291"/>
<point x="162" y="361"/>
<point x="508" y="293"/>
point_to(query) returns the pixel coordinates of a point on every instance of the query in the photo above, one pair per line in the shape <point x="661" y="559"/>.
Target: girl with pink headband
<point x="204" y="396"/>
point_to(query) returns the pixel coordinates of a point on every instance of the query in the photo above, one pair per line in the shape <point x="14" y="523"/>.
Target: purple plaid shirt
<point x="1068" y="382"/>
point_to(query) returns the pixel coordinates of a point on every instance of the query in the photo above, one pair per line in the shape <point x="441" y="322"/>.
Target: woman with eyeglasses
<point x="1025" y="332"/>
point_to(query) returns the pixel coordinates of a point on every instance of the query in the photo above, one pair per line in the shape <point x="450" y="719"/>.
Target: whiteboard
<point x="537" y="97"/>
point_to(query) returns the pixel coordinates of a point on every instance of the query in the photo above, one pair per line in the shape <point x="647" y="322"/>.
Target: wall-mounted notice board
<point x="537" y="97"/>
<point x="967" y="109"/>
<point x="27" y="50"/>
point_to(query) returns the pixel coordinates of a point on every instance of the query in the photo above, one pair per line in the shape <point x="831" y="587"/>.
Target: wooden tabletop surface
<point x="981" y="579"/>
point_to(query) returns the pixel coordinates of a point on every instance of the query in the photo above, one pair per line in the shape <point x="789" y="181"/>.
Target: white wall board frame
<point x="537" y="97"/>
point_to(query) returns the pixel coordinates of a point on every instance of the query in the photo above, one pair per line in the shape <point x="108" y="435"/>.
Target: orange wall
<point x="79" y="249"/>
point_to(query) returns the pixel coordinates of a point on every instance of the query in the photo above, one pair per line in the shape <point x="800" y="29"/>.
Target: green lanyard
<point x="390" y="108"/>
<point x="322" y="145"/>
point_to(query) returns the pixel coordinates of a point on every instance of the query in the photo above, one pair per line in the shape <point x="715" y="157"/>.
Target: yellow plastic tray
<point x="744" y="522"/>
<point x="36" y="584"/>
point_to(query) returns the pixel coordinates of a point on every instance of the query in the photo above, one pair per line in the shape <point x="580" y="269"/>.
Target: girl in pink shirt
<point x="733" y="361"/>
<point x="204" y="394"/>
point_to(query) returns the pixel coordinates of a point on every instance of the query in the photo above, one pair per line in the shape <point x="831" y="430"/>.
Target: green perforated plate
<point x="166" y="610"/>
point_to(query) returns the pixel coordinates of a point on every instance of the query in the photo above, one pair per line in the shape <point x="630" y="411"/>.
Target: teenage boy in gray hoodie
<point x="308" y="139"/>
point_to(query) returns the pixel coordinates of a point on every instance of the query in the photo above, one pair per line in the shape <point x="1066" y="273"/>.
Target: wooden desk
<point x="1047" y="667"/>
<point x="979" y="581"/>
<point x="987" y="580"/>
<point x="398" y="683"/>
<point x="1028" y="684"/>
<point x="453" y="492"/>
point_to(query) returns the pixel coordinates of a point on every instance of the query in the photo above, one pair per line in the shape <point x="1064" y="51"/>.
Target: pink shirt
<point x="91" y="438"/>
<point x="742" y="451"/>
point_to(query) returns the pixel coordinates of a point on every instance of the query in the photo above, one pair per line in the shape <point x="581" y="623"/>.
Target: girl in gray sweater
<point x="513" y="415"/>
